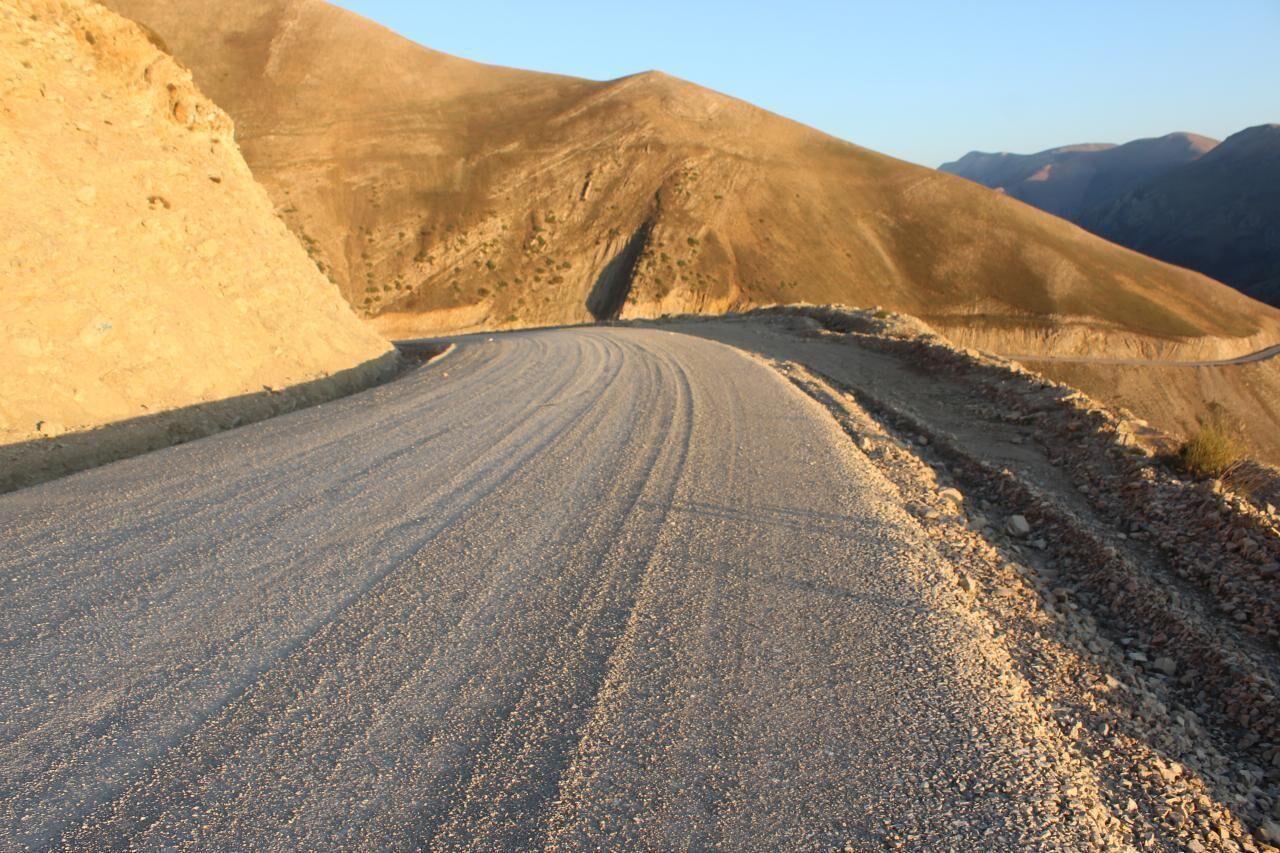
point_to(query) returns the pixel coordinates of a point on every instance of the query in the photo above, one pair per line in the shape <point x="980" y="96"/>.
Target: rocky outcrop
<point x="142" y="268"/>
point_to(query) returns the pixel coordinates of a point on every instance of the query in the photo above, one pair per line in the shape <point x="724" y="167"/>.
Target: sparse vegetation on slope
<point x="439" y="167"/>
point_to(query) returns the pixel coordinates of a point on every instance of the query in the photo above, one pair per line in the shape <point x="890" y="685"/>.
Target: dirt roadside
<point x="1135" y="613"/>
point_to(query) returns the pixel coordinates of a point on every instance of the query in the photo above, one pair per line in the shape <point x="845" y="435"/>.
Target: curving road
<point x="590" y="587"/>
<point x="1265" y="354"/>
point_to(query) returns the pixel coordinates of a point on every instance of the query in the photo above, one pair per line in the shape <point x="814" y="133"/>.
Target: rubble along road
<point x="563" y="588"/>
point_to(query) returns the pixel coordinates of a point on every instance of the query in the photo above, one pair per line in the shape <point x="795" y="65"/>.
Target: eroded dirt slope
<point x="141" y="266"/>
<point x="444" y="194"/>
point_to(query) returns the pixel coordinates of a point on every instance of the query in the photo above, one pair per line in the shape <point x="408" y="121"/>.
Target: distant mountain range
<point x="1186" y="199"/>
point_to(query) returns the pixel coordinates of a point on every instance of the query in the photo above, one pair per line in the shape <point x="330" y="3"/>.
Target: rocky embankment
<point x="1134" y="609"/>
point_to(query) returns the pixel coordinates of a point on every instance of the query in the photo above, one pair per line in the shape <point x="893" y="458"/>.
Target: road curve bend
<point x="584" y="587"/>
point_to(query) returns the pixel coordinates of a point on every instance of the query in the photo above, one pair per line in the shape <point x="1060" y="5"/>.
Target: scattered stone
<point x="967" y="584"/>
<point x="1018" y="525"/>
<point x="1167" y="665"/>
<point x="952" y="495"/>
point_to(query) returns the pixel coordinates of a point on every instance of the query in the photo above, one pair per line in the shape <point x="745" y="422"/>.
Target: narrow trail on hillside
<point x="1249" y="358"/>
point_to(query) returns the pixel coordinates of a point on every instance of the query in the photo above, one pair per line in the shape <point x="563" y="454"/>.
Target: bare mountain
<point x="443" y="194"/>
<point x="1219" y="215"/>
<point x="141" y="266"/>
<point x="1071" y="180"/>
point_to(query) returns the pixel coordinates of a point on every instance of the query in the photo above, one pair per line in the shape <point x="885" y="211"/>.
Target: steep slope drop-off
<point x="142" y="268"/>
<point x="443" y="194"/>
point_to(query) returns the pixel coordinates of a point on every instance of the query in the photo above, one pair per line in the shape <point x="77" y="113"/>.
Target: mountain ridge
<point x="1211" y="212"/>
<point x="1069" y="180"/>
<point x="444" y="195"/>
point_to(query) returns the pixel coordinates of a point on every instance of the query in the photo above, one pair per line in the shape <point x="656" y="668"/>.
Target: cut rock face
<point x="144" y="269"/>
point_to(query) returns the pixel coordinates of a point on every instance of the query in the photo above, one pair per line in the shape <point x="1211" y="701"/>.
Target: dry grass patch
<point x="1216" y="449"/>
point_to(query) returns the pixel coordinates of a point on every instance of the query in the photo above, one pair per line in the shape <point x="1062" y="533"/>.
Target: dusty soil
<point x="142" y="268"/>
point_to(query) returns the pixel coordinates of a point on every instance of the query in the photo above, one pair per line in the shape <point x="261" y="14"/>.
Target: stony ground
<point x="1135" y="611"/>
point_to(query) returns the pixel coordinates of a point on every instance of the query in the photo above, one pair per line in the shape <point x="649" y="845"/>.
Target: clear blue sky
<point x="924" y="80"/>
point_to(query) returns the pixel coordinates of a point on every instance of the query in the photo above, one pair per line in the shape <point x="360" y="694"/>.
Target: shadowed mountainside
<point x="441" y="194"/>
<point x="142" y="267"/>
<point x="1185" y="199"/>
<point x="1071" y="180"/>
<point x="1219" y="215"/>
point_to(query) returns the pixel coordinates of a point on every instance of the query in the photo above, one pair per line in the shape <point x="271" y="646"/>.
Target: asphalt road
<point x="567" y="588"/>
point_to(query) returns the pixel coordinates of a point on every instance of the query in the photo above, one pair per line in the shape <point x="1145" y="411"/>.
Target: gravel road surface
<point x="584" y="587"/>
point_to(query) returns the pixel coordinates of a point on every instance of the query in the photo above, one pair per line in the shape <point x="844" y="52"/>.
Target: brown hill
<point x="1072" y="180"/>
<point x="1219" y="215"/>
<point x="142" y="268"/>
<point x="442" y="194"/>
